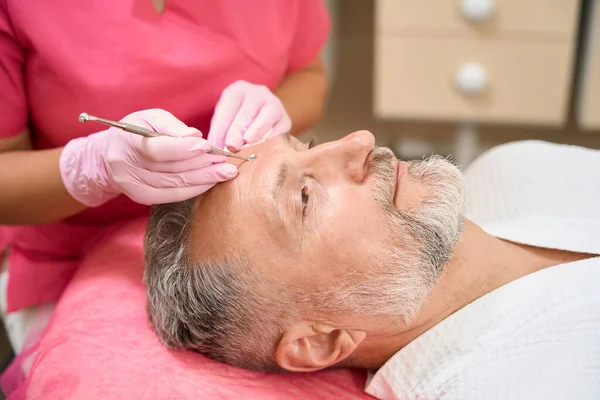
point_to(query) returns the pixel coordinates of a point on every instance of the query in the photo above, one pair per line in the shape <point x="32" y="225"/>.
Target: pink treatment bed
<point x="98" y="345"/>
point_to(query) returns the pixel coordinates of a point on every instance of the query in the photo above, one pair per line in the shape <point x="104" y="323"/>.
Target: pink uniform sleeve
<point x="312" y="29"/>
<point x="13" y="102"/>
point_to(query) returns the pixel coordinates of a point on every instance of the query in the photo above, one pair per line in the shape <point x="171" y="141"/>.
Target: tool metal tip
<point x="83" y="117"/>
<point x="252" y="157"/>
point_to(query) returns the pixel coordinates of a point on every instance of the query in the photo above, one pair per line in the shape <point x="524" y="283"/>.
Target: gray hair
<point x="216" y="307"/>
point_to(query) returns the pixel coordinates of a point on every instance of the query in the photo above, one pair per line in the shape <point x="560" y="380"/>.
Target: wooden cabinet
<point x="546" y="17"/>
<point x="441" y="60"/>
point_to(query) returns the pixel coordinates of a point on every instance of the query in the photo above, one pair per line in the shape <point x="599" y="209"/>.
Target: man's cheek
<point x="346" y="247"/>
<point x="361" y="221"/>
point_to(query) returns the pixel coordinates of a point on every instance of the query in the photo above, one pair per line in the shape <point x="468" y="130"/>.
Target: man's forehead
<point x="211" y="221"/>
<point x="224" y="211"/>
<point x="232" y="210"/>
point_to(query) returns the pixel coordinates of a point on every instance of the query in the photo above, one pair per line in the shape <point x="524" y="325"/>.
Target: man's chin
<point x="442" y="207"/>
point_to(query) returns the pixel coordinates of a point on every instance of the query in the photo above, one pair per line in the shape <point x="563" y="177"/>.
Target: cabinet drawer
<point x="528" y="82"/>
<point x="532" y="16"/>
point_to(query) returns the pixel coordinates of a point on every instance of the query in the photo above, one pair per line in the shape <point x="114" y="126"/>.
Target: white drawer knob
<point x="471" y="78"/>
<point x="477" y="10"/>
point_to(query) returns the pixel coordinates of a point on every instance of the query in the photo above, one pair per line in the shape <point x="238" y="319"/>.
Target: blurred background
<point x="456" y="77"/>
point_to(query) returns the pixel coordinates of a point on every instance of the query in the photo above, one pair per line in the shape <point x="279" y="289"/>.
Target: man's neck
<point x="480" y="264"/>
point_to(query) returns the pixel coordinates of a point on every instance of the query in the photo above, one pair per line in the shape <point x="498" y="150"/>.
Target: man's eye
<point x="309" y="145"/>
<point x="304" y="199"/>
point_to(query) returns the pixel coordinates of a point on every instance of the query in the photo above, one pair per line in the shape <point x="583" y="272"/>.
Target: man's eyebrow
<point x="282" y="172"/>
<point x="281" y="178"/>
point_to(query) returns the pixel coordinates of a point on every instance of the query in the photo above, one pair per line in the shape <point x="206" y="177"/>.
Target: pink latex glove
<point x="99" y="167"/>
<point x="246" y="114"/>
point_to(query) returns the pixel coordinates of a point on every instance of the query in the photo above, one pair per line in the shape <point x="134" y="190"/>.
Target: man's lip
<point x="401" y="169"/>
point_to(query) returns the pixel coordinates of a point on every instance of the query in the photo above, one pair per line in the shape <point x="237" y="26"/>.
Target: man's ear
<point x="308" y="346"/>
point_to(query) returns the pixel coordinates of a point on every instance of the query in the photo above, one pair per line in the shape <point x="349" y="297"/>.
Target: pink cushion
<point x="98" y="345"/>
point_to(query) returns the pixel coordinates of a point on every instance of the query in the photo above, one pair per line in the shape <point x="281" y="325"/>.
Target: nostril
<point x="367" y="164"/>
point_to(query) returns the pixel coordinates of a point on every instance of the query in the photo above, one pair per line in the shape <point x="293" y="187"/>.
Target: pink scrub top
<point x="110" y="58"/>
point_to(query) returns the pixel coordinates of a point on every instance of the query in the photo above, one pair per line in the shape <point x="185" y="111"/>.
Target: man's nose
<point x="349" y="155"/>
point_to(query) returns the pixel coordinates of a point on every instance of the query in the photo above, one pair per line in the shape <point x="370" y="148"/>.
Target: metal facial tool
<point x="140" y="130"/>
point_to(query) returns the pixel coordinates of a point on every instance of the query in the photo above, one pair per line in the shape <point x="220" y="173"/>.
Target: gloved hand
<point x="245" y="114"/>
<point x="99" y="167"/>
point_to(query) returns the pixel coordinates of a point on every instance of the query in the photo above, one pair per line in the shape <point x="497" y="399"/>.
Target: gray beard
<point x="424" y="240"/>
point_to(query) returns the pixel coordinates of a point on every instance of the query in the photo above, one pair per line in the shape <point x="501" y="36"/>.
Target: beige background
<point x="350" y="105"/>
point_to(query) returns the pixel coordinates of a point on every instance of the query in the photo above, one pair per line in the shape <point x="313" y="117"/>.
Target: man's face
<point x="348" y="227"/>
